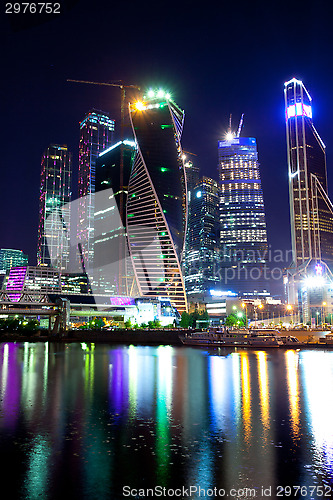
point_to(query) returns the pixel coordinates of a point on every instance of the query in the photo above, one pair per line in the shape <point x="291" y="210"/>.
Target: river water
<point x="95" y="421"/>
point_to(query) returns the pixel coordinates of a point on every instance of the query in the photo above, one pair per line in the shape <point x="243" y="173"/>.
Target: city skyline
<point x="194" y="74"/>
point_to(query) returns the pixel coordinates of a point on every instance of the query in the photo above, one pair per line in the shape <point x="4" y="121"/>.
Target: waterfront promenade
<point x="307" y="338"/>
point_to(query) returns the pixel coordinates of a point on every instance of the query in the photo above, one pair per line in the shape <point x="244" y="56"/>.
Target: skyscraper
<point x="54" y="208"/>
<point x="311" y="210"/>
<point x="243" y="235"/>
<point x="12" y="258"/>
<point x="203" y="238"/>
<point x="113" y="272"/>
<point x="156" y="206"/>
<point x="96" y="135"/>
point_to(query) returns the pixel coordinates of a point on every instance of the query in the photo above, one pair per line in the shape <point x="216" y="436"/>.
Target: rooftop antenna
<point x="240" y="126"/>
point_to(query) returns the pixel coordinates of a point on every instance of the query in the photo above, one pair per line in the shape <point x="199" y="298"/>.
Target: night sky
<point x="214" y="58"/>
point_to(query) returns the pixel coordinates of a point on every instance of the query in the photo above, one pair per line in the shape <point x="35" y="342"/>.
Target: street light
<point x="323" y="314"/>
<point x="289" y="308"/>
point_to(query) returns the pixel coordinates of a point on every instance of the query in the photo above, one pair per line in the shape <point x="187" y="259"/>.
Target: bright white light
<point x="151" y="93"/>
<point x="199" y="193"/>
<point x="314" y="281"/>
<point x="140" y="106"/>
<point x="160" y="93"/>
<point x="229" y="136"/>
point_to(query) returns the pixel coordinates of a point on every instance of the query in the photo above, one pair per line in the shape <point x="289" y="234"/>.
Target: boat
<point x="289" y="340"/>
<point x="233" y="338"/>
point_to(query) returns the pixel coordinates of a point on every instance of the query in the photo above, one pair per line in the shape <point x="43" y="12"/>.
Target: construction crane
<point x="240" y="125"/>
<point x="122" y="88"/>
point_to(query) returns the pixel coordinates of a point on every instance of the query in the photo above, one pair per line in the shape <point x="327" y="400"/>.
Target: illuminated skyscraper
<point x="12" y="258"/>
<point x="311" y="211"/>
<point x="96" y="135"/>
<point x="156" y="206"/>
<point x="54" y="208"/>
<point x="243" y="236"/>
<point x="309" y="278"/>
<point x="113" y="272"/>
<point x="203" y="235"/>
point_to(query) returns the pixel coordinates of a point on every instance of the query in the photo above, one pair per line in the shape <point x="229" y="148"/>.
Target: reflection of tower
<point x="156" y="206"/>
<point x="96" y="134"/>
<point x="54" y="208"/>
<point x="202" y="252"/>
<point x="242" y="215"/>
<point x="311" y="211"/>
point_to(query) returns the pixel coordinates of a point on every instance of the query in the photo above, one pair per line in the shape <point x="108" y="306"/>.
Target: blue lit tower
<point x="96" y="135"/>
<point x="203" y="238"/>
<point x="311" y="211"/>
<point x="54" y="208"/>
<point x="242" y="215"/>
<point x="156" y="205"/>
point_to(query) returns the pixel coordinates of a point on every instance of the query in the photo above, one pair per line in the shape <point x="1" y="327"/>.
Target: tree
<point x="185" y="320"/>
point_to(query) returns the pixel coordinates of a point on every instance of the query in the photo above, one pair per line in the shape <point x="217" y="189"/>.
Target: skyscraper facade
<point x="243" y="236"/>
<point x="54" y="208"/>
<point x="156" y="206"/>
<point x="203" y="235"/>
<point x="96" y="135"/>
<point x="311" y="210"/>
<point x="12" y="258"/>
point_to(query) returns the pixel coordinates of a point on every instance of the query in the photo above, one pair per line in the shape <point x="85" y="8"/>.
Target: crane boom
<point x="120" y="85"/>
<point x="240" y="126"/>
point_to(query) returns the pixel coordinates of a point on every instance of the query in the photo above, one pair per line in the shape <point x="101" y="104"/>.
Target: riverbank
<point x="140" y="337"/>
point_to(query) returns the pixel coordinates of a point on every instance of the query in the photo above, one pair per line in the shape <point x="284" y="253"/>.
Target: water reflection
<point x="89" y="419"/>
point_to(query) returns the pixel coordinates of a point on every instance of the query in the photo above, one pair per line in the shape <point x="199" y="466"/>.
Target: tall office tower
<point x="156" y="206"/>
<point x="311" y="210"/>
<point x="242" y="216"/>
<point x="12" y="258"/>
<point x="96" y="135"/>
<point x="54" y="208"/>
<point x="202" y="246"/>
<point x="113" y="270"/>
<point x="192" y="175"/>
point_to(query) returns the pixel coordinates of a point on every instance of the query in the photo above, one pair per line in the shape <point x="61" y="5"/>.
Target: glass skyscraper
<point x="12" y="258"/>
<point x="54" y="208"/>
<point x="113" y="272"/>
<point x="311" y="210"/>
<point x="201" y="259"/>
<point x="243" y="236"/>
<point x="156" y="206"/>
<point x="96" y="135"/>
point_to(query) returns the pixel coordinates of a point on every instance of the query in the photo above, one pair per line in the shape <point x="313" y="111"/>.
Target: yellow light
<point x="140" y="106"/>
<point x="243" y="304"/>
<point x="289" y="307"/>
<point x="260" y="306"/>
<point x="324" y="304"/>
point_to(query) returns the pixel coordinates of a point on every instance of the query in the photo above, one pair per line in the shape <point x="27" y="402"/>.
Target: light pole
<point x="323" y="317"/>
<point x="289" y="308"/>
<point x="245" y="308"/>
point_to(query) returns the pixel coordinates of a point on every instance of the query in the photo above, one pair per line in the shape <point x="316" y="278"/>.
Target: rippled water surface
<point x="92" y="421"/>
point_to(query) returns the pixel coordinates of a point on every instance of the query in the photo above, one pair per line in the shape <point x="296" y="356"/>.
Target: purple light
<point x="122" y="301"/>
<point x="319" y="270"/>
<point x="15" y="282"/>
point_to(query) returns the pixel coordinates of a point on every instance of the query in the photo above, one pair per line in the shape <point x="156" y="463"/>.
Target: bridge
<point x="36" y="304"/>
